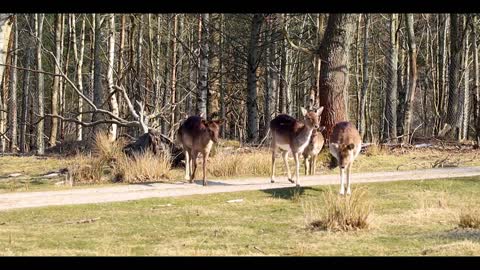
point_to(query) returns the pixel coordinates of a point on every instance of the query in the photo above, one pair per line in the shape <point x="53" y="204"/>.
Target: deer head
<point x="312" y="118"/>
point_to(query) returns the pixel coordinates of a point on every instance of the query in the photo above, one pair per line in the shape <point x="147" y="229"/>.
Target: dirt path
<point x="142" y="191"/>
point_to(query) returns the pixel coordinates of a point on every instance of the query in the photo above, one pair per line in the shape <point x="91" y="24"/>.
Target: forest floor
<point x="412" y="218"/>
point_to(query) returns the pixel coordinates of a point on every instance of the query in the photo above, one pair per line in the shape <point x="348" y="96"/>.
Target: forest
<point x="398" y="77"/>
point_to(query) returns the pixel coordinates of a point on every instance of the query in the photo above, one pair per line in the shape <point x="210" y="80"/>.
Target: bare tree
<point x="40" y="84"/>
<point x="111" y="61"/>
<point x="452" y="117"/>
<point x="27" y="58"/>
<point x="78" y="55"/>
<point x="56" y="80"/>
<point x="363" y="95"/>
<point x="391" y="89"/>
<point x="12" y="104"/>
<point x="252" y="65"/>
<point x="203" y="69"/>
<point x="412" y="56"/>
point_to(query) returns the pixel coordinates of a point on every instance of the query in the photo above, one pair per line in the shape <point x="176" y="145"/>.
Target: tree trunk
<point x="97" y="72"/>
<point x="465" y="95"/>
<point x="390" y="129"/>
<point x="412" y="55"/>
<point x="252" y="65"/>
<point x="6" y="21"/>
<point x="26" y="88"/>
<point x="477" y="80"/>
<point x="79" y="66"/>
<point x="203" y="69"/>
<point x="453" y="116"/>
<point x="5" y="29"/>
<point x="173" y="81"/>
<point x="56" y="81"/>
<point x="363" y="95"/>
<point x="335" y="50"/>
<point x="40" y="86"/>
<point x="113" y="130"/>
<point x="214" y="88"/>
<point x="12" y="104"/>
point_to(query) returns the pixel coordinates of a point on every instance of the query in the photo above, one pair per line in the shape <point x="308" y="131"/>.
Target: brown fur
<point x="345" y="144"/>
<point x="312" y="150"/>
<point x="197" y="135"/>
<point x="291" y="135"/>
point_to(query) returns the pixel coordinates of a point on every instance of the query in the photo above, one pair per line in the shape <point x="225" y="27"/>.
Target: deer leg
<point x="314" y="164"/>
<point x="348" y="179"/>
<point x="285" y="160"/>
<point x="194" y="164"/>
<point x="297" y="169"/>
<point x="272" y="178"/>
<point x="205" y="158"/>
<point x="187" y="165"/>
<point x="307" y="163"/>
<point x="342" y="187"/>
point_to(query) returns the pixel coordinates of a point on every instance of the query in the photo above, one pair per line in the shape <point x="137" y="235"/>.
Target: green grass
<point x="409" y="218"/>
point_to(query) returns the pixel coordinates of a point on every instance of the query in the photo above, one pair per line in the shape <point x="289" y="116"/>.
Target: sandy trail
<point x="158" y="190"/>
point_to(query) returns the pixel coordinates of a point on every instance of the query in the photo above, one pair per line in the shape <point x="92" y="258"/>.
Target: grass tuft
<point x="341" y="213"/>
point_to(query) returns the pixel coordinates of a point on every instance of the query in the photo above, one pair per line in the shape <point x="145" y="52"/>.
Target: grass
<point x="143" y="168"/>
<point x="340" y="213"/>
<point x="270" y="222"/>
<point x="470" y="218"/>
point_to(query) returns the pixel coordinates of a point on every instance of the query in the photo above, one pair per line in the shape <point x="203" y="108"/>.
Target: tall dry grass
<point x="256" y="163"/>
<point x="108" y="163"/>
<point x="145" y="167"/>
<point x="470" y="218"/>
<point x="339" y="213"/>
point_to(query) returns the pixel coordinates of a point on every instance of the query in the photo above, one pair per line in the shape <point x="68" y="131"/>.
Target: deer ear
<point x="319" y="111"/>
<point x="350" y="146"/>
<point x="304" y="111"/>
<point x="322" y="128"/>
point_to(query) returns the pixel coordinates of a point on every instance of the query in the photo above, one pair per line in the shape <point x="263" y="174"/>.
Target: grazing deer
<point x="345" y="145"/>
<point x="197" y="135"/>
<point x="311" y="151"/>
<point x="291" y="135"/>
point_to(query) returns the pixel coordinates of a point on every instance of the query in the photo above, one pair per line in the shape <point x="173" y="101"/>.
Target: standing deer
<point x="311" y="151"/>
<point x="291" y="135"/>
<point x="197" y="135"/>
<point x="345" y="145"/>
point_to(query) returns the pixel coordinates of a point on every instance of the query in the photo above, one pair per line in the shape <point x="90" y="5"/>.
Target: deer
<point x="197" y="135"/>
<point x="291" y="135"/>
<point x="312" y="150"/>
<point x="345" y="144"/>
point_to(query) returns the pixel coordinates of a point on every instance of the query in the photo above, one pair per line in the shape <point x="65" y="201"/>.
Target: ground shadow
<point x="461" y="234"/>
<point x="288" y="193"/>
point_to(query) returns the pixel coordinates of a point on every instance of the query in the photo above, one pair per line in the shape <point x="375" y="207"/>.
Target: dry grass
<point x="108" y="163"/>
<point x="256" y="163"/>
<point x="106" y="150"/>
<point x="86" y="169"/>
<point x="145" y="167"/>
<point x="341" y="213"/>
<point x="470" y="218"/>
